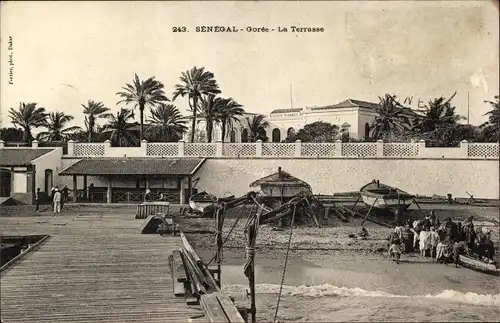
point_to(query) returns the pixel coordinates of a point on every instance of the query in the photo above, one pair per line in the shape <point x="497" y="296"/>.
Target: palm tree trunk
<point x="209" y="129"/>
<point x="27" y="134"/>
<point x="223" y="130"/>
<point x="91" y="129"/>
<point x="193" y="124"/>
<point x="141" y="108"/>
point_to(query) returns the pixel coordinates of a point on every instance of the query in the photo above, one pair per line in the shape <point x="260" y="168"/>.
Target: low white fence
<point x="298" y="149"/>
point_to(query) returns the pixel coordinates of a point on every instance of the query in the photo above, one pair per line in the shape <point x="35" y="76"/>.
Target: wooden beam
<point x="229" y="308"/>
<point x="85" y="187"/>
<point x="75" y="189"/>
<point x="108" y="193"/>
<point x="213" y="310"/>
<point x="178" y="267"/>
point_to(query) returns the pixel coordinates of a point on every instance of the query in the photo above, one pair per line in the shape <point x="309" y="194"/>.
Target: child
<point x="425" y="241"/>
<point x="434" y="240"/>
<point x="395" y="248"/>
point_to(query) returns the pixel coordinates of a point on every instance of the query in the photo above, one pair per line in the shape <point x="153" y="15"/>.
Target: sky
<point x="67" y="53"/>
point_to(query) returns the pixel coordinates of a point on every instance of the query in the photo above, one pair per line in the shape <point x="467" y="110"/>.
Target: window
<point x="276" y="135"/>
<point x="244" y="135"/>
<point x="290" y="132"/>
<point x="367" y="131"/>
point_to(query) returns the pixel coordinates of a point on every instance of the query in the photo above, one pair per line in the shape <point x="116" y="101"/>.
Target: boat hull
<point x="478" y="265"/>
<point x="200" y="206"/>
<point x="380" y="202"/>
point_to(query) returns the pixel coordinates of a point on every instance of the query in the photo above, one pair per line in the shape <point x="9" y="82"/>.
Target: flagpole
<point x="291" y="99"/>
<point x="468" y="109"/>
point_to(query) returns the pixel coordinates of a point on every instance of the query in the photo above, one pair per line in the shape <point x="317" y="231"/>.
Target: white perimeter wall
<point x="329" y="176"/>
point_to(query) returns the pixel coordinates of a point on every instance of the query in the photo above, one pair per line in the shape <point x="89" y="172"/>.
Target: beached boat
<point x="479" y="265"/>
<point x="202" y="201"/>
<point x="383" y="196"/>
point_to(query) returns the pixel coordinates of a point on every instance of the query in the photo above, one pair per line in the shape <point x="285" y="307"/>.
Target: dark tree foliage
<point x="315" y="132"/>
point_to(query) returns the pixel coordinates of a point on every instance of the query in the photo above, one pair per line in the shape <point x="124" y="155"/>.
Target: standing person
<point x="408" y="238"/>
<point x="57" y="202"/>
<point x="37" y="200"/>
<point x="52" y="192"/>
<point x="147" y="196"/>
<point x="434" y="240"/>
<point x="425" y="241"/>
<point x="65" y="195"/>
<point x="91" y="191"/>
<point x="451" y="230"/>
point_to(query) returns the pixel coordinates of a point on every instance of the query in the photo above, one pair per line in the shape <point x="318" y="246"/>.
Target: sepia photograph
<point x="249" y="161"/>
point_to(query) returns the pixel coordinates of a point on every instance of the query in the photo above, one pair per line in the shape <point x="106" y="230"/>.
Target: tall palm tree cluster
<point x="436" y="122"/>
<point x="158" y="121"/>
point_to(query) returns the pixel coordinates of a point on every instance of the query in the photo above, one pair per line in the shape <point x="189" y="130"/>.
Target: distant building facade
<point x="353" y="117"/>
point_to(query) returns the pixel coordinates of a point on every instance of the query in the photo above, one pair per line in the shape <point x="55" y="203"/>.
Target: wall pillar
<point x="380" y="148"/>
<point x="259" y="148"/>
<point x="182" y="144"/>
<point x="108" y="195"/>
<point x="338" y="148"/>
<point x="464" y="145"/>
<point x="182" y="195"/>
<point x="144" y="147"/>
<point x="34" y="144"/>
<point x="421" y="148"/>
<point x="71" y="148"/>
<point x="75" y="188"/>
<point x="2" y="144"/>
<point x="218" y="148"/>
<point x="298" y="148"/>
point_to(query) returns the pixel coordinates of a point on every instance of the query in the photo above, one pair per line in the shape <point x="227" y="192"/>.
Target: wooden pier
<point x="92" y="268"/>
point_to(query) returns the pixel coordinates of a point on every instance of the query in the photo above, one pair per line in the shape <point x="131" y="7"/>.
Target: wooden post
<point x="109" y="190"/>
<point x="75" y="189"/>
<point x="359" y="198"/>
<point x="366" y="216"/>
<point x="190" y="186"/>
<point x="182" y="191"/>
<point x="85" y="187"/>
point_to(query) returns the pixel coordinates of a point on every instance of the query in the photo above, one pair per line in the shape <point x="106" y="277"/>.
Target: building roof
<point x="285" y="180"/>
<point x="134" y="166"/>
<point x="286" y="110"/>
<point x="349" y="103"/>
<point x="21" y="156"/>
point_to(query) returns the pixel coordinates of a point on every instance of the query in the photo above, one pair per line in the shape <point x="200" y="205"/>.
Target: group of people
<point x="58" y="197"/>
<point x="443" y="241"/>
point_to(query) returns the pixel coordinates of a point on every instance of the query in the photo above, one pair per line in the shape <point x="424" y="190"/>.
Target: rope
<point x="232" y="228"/>
<point x="286" y="262"/>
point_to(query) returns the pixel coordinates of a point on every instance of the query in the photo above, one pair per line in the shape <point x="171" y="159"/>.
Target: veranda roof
<point x="134" y="166"/>
<point x="21" y="156"/>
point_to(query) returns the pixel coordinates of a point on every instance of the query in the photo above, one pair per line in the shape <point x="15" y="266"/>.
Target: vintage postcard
<point x="249" y="161"/>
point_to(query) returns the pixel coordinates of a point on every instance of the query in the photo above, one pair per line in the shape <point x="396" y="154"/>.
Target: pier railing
<point x="298" y="149"/>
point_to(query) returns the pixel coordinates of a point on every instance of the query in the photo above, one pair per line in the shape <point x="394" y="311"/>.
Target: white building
<point x="352" y="116"/>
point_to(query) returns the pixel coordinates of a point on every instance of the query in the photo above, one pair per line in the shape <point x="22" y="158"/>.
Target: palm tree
<point x="166" y="123"/>
<point x="493" y="115"/>
<point x="210" y="110"/>
<point x="392" y="118"/>
<point x="229" y="112"/>
<point x="28" y="116"/>
<point x="437" y="113"/>
<point x="257" y="125"/>
<point x="142" y="94"/>
<point x="56" y="127"/>
<point x="195" y="83"/>
<point x="121" y="128"/>
<point x="93" y="111"/>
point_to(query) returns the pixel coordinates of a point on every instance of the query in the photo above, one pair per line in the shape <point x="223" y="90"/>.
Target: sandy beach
<point x="332" y="277"/>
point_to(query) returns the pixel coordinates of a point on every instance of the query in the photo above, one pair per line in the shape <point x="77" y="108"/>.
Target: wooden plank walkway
<point x="94" y="268"/>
